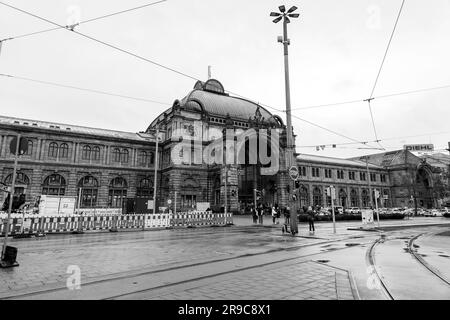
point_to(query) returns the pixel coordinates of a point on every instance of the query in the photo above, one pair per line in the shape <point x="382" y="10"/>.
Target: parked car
<point x="339" y="210"/>
<point x="354" y="210"/>
<point x="436" y="213"/>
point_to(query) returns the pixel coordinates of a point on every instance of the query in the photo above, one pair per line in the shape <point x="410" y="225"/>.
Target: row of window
<point x="356" y="199"/>
<point x="56" y="185"/>
<point x="61" y="151"/>
<point x="315" y="172"/>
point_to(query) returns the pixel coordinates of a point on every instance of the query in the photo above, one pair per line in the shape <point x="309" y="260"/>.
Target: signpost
<point x="294" y="174"/>
<point x="331" y="192"/>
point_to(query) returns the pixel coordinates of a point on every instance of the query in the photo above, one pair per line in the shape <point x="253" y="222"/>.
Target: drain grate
<point x="323" y="261"/>
<point x="352" y="244"/>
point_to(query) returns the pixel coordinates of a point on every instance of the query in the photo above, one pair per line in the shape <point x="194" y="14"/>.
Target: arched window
<point x="22" y="182"/>
<point x="95" y="155"/>
<point x="342" y="198"/>
<point x="124" y="156"/>
<point x="89" y="191"/>
<point x="365" y="198"/>
<point x="304" y="197"/>
<point x="54" y="185"/>
<point x="117" y="192"/>
<point x="145" y="188"/>
<point x="30" y="148"/>
<point x="64" y="151"/>
<point x="317" y="197"/>
<point x="86" y="153"/>
<point x="152" y="158"/>
<point x="354" y="201"/>
<point x="116" y="155"/>
<point x="142" y="158"/>
<point x="53" y="150"/>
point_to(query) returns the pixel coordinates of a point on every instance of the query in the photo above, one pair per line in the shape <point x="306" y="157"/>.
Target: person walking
<point x="277" y="209"/>
<point x="274" y="214"/>
<point x="254" y="214"/>
<point x="260" y="214"/>
<point x="287" y="216"/>
<point x="311" y="214"/>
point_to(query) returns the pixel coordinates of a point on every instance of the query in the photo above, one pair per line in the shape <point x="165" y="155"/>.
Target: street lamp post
<point x="155" y="179"/>
<point x="290" y="161"/>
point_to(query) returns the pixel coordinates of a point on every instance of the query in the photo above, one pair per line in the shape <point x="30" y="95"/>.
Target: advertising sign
<point x="419" y="147"/>
<point x="367" y="218"/>
<point x="202" y="206"/>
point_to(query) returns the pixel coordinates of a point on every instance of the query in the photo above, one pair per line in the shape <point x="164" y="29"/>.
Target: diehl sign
<point x="419" y="147"/>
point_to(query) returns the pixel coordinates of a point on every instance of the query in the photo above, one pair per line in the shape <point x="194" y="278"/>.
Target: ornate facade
<point x="102" y="168"/>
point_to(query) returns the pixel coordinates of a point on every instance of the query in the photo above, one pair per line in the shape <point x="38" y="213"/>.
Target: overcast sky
<point x="335" y="53"/>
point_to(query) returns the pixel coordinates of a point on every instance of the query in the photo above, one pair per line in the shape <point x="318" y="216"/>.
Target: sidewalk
<point x="291" y="280"/>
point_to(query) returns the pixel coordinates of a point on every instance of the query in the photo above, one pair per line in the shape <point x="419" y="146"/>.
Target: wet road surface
<point x="186" y="263"/>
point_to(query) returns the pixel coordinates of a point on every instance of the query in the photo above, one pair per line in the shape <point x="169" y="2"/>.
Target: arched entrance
<point x="88" y="190"/>
<point x="423" y="188"/>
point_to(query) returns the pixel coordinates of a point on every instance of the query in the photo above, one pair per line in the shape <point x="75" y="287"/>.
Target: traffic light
<point x="297" y="184"/>
<point x="258" y="194"/>
<point x="233" y="193"/>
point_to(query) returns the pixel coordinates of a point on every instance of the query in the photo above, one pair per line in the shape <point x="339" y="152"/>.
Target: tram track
<point x="180" y="267"/>
<point x="375" y="270"/>
<point x="419" y="259"/>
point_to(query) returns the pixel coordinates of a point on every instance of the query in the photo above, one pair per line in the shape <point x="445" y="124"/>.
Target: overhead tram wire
<point x="83" y="22"/>
<point x="102" y="42"/>
<point x="387" y="49"/>
<point x="151" y="61"/>
<point x="379" y="72"/>
<point x="304" y="120"/>
<point x="83" y="89"/>
<point x="383" y="139"/>
<point x="389" y="95"/>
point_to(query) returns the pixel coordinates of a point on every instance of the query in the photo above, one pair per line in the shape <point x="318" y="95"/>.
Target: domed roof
<point x="213" y="100"/>
<point x="210" y="99"/>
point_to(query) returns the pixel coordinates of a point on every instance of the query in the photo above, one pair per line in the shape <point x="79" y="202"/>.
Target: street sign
<point x="23" y="146"/>
<point x="331" y="192"/>
<point x="294" y="173"/>
<point x="377" y="194"/>
<point x="169" y="201"/>
<point x="4" y="188"/>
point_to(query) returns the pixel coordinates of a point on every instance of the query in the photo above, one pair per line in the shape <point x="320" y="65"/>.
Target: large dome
<point x="210" y="99"/>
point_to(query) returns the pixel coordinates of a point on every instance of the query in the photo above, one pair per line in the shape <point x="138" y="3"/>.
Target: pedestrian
<point x="274" y="214"/>
<point x="287" y="216"/>
<point x="311" y="214"/>
<point x="277" y="208"/>
<point x="260" y="214"/>
<point x="254" y="214"/>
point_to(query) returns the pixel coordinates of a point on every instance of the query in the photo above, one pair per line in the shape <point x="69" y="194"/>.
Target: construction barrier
<point x="77" y="223"/>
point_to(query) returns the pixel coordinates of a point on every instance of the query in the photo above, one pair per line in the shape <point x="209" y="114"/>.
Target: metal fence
<point x="66" y="224"/>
